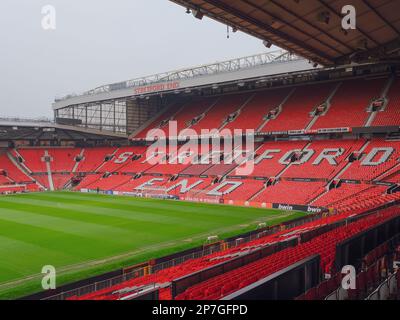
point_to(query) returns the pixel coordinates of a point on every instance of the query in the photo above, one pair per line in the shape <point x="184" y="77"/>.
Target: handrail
<point x="136" y="273"/>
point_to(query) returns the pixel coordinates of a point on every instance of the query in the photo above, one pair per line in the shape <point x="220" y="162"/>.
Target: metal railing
<point x="386" y="289"/>
<point x="136" y="273"/>
<point x="231" y="65"/>
<point x="22" y="119"/>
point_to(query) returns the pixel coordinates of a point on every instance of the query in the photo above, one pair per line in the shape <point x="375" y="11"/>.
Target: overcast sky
<point x="98" y="42"/>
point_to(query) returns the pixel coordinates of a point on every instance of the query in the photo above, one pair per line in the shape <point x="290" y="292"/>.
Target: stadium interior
<point x="326" y="141"/>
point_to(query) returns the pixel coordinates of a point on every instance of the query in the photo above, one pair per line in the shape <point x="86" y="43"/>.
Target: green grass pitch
<point x="84" y="235"/>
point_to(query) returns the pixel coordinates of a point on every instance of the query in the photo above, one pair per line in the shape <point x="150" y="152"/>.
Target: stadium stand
<point x="318" y="167"/>
<point x="296" y="112"/>
<point x="34" y="159"/>
<point x="12" y="171"/>
<point x="122" y="158"/>
<point x="291" y="192"/>
<point x="326" y="116"/>
<point x="93" y="158"/>
<point x="385" y="155"/>
<point x="252" y="116"/>
<point x="350" y="103"/>
<point x="391" y="114"/>
<point x="63" y="160"/>
<point x="191" y="114"/>
<point x="60" y="180"/>
<point x="220" y="286"/>
<point x="218" y="115"/>
<point x="324" y="245"/>
<point x="161" y="122"/>
<point x="266" y="158"/>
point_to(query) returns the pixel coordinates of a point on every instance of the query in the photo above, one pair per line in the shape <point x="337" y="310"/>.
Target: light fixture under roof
<point x="267" y="44"/>
<point x="198" y="14"/>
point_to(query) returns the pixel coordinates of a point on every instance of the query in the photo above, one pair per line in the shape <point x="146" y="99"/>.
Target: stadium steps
<point x="68" y="185"/>
<point x="22" y="165"/>
<point x="76" y="162"/>
<point x="239" y="110"/>
<point x="290" y="164"/>
<point x="341" y="172"/>
<point x="388" y="173"/>
<point x="258" y="193"/>
<point x="210" y="108"/>
<point x="104" y="162"/>
<point x="350" y="196"/>
<point x="319" y="196"/>
<point x="328" y="101"/>
<point x="150" y="121"/>
<point x="384" y="94"/>
<point x="49" y="175"/>
<point x="324" y="245"/>
<point x="229" y="172"/>
<point x="260" y="128"/>
<point x="22" y="168"/>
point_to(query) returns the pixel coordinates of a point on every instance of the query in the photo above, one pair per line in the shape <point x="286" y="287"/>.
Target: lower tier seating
<point x="323" y="245"/>
<point x="291" y="192"/>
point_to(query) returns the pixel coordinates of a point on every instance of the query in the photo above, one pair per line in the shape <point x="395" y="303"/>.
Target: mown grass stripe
<point x="87" y="234"/>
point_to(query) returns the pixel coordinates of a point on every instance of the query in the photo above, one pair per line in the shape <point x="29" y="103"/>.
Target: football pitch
<point x="83" y="235"/>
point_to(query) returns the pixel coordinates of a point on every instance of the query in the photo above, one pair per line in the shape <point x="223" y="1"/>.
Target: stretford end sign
<point x="157" y="87"/>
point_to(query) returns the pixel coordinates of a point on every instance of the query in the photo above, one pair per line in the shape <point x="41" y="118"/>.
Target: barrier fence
<point x="204" y="251"/>
<point x="201" y="252"/>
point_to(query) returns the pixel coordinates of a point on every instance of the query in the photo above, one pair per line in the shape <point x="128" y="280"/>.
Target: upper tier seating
<point x="350" y="103"/>
<point x="348" y="108"/>
<point x="191" y="111"/>
<point x="296" y="111"/>
<point x="167" y="115"/>
<point x="225" y="106"/>
<point x="391" y="115"/>
<point x="252" y="115"/>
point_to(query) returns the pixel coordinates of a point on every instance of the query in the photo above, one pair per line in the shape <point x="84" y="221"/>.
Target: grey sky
<point x="98" y="42"/>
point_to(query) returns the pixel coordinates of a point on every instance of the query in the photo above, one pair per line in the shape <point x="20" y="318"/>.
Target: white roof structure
<point x="259" y="65"/>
